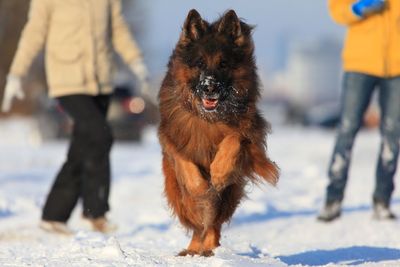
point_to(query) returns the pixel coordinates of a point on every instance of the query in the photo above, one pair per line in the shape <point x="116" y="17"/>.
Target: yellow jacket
<point x="79" y="37"/>
<point x="372" y="44"/>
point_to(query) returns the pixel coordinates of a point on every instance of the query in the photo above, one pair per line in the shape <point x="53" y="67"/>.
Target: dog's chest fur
<point x="199" y="140"/>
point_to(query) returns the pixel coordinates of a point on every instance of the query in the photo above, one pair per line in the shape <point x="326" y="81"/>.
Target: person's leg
<point x="96" y="170"/>
<point x="103" y="102"/>
<point x="65" y="191"/>
<point x="356" y="95"/>
<point x="389" y="101"/>
<point x="67" y="187"/>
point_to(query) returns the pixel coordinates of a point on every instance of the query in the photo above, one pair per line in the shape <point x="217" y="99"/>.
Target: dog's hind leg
<point x="184" y="207"/>
<point x="194" y="203"/>
<point x="222" y="211"/>
<point x="181" y="203"/>
<point x="195" y="246"/>
<point x="211" y="240"/>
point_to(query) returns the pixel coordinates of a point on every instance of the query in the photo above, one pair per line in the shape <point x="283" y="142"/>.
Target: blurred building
<point x="313" y="73"/>
<point x="309" y="83"/>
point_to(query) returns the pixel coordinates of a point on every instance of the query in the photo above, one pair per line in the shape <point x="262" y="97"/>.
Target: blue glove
<point x="363" y="8"/>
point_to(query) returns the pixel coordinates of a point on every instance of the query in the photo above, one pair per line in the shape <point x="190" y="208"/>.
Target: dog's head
<point x="215" y="67"/>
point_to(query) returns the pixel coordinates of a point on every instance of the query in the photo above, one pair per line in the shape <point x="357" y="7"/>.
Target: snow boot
<point x="382" y="211"/>
<point x="330" y="212"/>
<point x="55" y="227"/>
<point x="101" y="224"/>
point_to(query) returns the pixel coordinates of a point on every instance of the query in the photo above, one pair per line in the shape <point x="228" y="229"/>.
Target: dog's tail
<point x="263" y="168"/>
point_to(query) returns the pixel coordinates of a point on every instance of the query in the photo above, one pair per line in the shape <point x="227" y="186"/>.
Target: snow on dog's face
<point x="214" y="65"/>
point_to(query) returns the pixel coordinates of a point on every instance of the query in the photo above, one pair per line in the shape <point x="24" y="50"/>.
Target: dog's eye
<point x="200" y="63"/>
<point x="223" y="64"/>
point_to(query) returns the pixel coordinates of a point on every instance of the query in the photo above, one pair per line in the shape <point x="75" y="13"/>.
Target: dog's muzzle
<point x="209" y="90"/>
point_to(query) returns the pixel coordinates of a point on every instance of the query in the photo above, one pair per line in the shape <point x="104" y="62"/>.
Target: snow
<point x="273" y="227"/>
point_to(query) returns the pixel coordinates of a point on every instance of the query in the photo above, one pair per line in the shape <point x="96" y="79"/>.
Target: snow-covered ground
<point x="273" y="227"/>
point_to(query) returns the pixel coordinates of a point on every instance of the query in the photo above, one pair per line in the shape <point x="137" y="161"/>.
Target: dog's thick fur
<point x="211" y="133"/>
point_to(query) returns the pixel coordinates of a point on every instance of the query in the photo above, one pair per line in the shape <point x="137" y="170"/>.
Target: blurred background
<point x="298" y="50"/>
<point x="297" y="47"/>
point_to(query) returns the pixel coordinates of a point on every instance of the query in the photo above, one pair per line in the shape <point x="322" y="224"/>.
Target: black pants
<point x="86" y="172"/>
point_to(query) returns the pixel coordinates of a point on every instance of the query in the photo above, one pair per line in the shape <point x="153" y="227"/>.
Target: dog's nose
<point x="210" y="89"/>
<point x="208" y="82"/>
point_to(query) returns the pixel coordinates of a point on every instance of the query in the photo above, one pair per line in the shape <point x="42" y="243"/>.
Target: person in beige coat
<point x="78" y="37"/>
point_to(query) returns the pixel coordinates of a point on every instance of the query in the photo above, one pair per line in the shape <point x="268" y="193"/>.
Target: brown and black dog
<point x="211" y="133"/>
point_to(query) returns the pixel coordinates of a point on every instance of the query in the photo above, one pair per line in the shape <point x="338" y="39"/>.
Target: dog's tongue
<point x="210" y="103"/>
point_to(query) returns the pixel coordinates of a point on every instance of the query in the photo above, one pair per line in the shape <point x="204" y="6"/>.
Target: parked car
<point x="325" y="115"/>
<point x="126" y="114"/>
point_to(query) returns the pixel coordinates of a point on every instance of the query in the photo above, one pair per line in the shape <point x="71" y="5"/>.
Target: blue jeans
<point x="357" y="92"/>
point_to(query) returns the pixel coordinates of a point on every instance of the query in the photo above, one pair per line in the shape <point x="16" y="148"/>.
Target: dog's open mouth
<point x="210" y="103"/>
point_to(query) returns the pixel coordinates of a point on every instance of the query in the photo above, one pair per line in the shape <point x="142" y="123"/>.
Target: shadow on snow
<point x="5" y="213"/>
<point x="161" y="227"/>
<point x="272" y="213"/>
<point x="254" y="253"/>
<point x="351" y="256"/>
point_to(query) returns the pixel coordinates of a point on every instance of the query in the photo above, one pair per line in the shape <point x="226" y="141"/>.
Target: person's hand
<point x="13" y="89"/>
<point x="363" y="8"/>
<point x="140" y="70"/>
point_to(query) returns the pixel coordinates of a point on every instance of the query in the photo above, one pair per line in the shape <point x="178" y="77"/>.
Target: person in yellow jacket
<point x="371" y="58"/>
<point x="79" y="37"/>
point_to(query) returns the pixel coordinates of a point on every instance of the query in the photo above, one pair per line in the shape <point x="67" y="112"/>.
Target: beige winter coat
<point x="78" y="37"/>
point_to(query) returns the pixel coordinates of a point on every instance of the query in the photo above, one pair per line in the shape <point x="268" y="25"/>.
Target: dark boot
<point x="382" y="211"/>
<point x="330" y="211"/>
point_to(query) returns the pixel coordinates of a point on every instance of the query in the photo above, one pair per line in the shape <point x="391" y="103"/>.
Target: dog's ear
<point x="194" y="27"/>
<point x="230" y="24"/>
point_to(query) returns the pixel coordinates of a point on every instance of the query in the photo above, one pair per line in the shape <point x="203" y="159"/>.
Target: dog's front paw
<point x="218" y="179"/>
<point x="187" y="252"/>
<point x="218" y="183"/>
<point x="220" y="174"/>
<point x="207" y="253"/>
